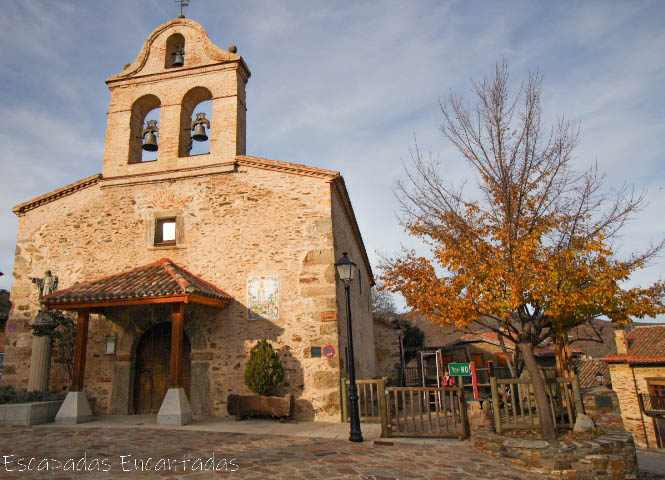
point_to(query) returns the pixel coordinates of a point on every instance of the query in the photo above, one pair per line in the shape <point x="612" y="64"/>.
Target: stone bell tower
<point x="177" y="68"/>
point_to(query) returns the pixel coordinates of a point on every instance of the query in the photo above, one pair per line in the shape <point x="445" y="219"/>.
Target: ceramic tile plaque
<point x="263" y="297"/>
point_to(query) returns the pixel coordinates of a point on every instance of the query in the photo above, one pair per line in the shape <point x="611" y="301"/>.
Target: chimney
<point x="620" y="340"/>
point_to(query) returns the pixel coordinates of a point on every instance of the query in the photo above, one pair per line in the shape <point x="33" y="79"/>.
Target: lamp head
<point x="346" y="269"/>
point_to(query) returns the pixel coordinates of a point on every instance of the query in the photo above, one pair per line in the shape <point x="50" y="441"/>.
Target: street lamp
<point x="346" y="270"/>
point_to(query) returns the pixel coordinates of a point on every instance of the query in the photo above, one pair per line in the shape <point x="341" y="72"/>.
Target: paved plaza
<point x="151" y="452"/>
<point x="135" y="447"/>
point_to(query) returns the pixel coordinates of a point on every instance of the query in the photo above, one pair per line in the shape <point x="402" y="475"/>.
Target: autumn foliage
<point x="530" y="252"/>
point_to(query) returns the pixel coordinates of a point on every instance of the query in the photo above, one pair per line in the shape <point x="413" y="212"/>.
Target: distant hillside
<point x="602" y="332"/>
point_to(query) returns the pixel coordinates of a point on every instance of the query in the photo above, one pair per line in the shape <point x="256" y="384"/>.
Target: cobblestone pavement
<point x="251" y="456"/>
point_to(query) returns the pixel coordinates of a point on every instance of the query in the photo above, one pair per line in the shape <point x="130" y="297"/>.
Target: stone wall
<point x="242" y="223"/>
<point x="629" y="381"/>
<point x="606" y="419"/>
<point x="611" y="456"/>
<point x="387" y="350"/>
<point x="361" y="304"/>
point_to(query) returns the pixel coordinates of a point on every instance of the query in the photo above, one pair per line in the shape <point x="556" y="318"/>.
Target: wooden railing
<point x="514" y="405"/>
<point x="425" y="412"/>
<point x="371" y="393"/>
<point x="652" y="405"/>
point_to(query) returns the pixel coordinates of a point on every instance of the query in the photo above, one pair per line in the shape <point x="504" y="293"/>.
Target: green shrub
<point x="264" y="371"/>
<point x="9" y="395"/>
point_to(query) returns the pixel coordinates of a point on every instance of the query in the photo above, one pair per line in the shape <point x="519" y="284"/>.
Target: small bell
<point x="149" y="138"/>
<point x="199" y="127"/>
<point x="200" y="133"/>
<point x="150" y="143"/>
<point x="179" y="58"/>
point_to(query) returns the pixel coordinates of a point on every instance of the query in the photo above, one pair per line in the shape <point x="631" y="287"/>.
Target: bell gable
<point x="177" y="36"/>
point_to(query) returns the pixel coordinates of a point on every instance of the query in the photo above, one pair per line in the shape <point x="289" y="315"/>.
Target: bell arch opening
<point x="175" y="51"/>
<point x="196" y="122"/>
<point x="143" y="129"/>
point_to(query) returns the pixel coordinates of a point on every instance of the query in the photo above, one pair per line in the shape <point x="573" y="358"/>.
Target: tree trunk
<point x="563" y="356"/>
<point x="509" y="361"/>
<point x="542" y="403"/>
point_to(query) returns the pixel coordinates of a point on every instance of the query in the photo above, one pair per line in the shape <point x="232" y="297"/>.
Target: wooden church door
<point x="153" y="356"/>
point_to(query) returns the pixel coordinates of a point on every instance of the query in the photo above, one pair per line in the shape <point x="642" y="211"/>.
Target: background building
<point x="638" y="377"/>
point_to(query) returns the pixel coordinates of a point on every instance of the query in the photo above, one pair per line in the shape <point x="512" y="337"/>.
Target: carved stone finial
<point x="233" y="49"/>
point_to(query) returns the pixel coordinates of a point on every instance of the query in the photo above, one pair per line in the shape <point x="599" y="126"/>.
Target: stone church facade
<point x="251" y="241"/>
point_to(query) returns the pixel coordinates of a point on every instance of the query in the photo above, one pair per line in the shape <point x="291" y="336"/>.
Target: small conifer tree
<point x="264" y="371"/>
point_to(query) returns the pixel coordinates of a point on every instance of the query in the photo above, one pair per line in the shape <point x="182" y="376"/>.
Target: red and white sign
<point x="329" y="351"/>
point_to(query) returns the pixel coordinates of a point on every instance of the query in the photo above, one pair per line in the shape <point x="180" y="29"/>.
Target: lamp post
<point x="346" y="269"/>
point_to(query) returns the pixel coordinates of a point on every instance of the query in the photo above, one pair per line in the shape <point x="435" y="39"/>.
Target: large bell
<point x="200" y="133"/>
<point x="150" y="142"/>
<point x="178" y="59"/>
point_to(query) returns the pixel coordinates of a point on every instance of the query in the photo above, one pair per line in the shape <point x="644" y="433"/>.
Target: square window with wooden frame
<point x="165" y="231"/>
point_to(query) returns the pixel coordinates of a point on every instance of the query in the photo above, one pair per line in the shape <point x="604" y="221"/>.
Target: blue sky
<point x="345" y="86"/>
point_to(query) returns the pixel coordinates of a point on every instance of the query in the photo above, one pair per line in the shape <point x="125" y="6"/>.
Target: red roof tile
<point x="645" y="345"/>
<point x="157" y="279"/>
<point x="588" y="369"/>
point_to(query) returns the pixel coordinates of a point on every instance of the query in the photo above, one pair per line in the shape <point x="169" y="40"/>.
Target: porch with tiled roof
<point x="156" y="285"/>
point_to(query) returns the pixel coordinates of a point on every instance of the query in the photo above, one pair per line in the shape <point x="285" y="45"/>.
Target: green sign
<point x="459" y="369"/>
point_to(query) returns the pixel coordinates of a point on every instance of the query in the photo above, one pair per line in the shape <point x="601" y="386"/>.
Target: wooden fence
<point x="425" y="412"/>
<point x="514" y="405"/>
<point x="371" y="393"/>
<point x="410" y="411"/>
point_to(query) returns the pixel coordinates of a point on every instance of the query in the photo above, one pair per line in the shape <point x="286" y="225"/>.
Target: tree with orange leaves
<point x="531" y="255"/>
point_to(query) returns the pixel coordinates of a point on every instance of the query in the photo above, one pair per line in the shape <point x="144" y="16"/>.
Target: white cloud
<point x="345" y="86"/>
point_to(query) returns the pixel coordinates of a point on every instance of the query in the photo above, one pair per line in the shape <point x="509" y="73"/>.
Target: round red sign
<point x="329" y="351"/>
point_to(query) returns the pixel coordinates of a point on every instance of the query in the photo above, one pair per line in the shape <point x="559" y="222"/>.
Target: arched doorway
<point x="153" y="355"/>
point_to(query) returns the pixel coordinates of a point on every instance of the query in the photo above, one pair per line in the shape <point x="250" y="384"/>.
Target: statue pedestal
<point x="40" y="358"/>
<point x="40" y="364"/>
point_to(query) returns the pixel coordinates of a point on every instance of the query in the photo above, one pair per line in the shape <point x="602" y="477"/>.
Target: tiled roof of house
<point x="487" y="337"/>
<point x="159" y="279"/>
<point x="646" y="344"/>
<point x="588" y="369"/>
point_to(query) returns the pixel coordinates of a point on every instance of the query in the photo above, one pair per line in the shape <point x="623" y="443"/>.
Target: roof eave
<point x="125" y="302"/>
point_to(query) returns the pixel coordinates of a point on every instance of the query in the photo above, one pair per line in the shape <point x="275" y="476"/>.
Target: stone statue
<point x="46" y="285"/>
